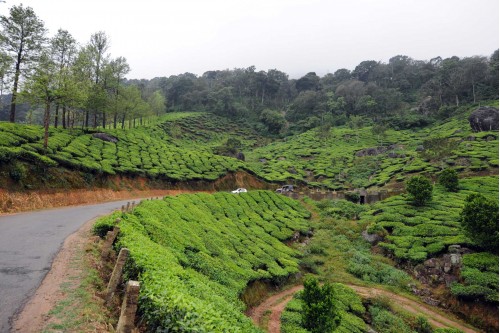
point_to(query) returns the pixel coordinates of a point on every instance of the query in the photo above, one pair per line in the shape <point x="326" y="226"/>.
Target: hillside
<point x="181" y="146"/>
<point x="195" y="255"/>
<point x="214" y="271"/>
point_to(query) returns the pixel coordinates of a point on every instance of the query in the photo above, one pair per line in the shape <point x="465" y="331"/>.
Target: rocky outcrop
<point x="444" y="269"/>
<point x="105" y="137"/>
<point x="485" y="118"/>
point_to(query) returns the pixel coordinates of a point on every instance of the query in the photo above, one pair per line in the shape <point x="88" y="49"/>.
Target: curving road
<point x="28" y="244"/>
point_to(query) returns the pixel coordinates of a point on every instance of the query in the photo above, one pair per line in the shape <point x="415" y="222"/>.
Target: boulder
<point x="240" y="156"/>
<point x="371" y="238"/>
<point x="485" y="118"/>
<point x="105" y="137"/>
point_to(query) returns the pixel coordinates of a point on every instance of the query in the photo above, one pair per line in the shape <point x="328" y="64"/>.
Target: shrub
<point x="420" y="189"/>
<point x="17" y="172"/>
<point x="479" y="219"/>
<point x="352" y="196"/>
<point x="449" y="179"/>
<point x="319" y="314"/>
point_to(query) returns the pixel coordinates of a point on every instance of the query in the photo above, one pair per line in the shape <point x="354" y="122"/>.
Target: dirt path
<point x="34" y="316"/>
<point x="277" y="303"/>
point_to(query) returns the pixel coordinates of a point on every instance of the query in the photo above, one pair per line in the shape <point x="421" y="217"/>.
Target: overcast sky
<point x="169" y="37"/>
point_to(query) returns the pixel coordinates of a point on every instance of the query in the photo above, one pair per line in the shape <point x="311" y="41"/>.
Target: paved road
<point x="28" y="244"/>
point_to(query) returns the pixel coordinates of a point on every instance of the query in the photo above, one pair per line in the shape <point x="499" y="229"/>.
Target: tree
<point x="420" y="190"/>
<point x="22" y="37"/>
<point x="42" y="88"/>
<point x="97" y="48"/>
<point x="449" y="179"/>
<point x="355" y="123"/>
<point x="319" y="313"/>
<point x="310" y="81"/>
<point x="380" y="131"/>
<point x="479" y="219"/>
<point x="5" y="63"/>
<point x="63" y="52"/>
<point x="114" y="74"/>
<point x="273" y="119"/>
<point x="157" y="102"/>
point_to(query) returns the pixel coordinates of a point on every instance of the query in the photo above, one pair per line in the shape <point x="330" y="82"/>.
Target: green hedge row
<point x="195" y="254"/>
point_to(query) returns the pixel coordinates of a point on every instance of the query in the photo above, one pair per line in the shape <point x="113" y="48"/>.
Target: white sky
<point x="169" y="37"/>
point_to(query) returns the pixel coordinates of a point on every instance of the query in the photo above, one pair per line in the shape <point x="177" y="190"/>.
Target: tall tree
<point x="22" y="37"/>
<point x="63" y="50"/>
<point x="97" y="48"/>
<point x="5" y="63"/>
<point x="115" y="73"/>
<point x="157" y="102"/>
<point x="42" y="88"/>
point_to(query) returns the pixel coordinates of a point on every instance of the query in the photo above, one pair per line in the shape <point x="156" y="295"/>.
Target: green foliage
<point x="479" y="219"/>
<point x="420" y="189"/>
<point x="447" y="330"/>
<point x="319" y="314"/>
<point x="479" y="277"/>
<point x="274" y="120"/>
<point x="347" y="302"/>
<point x="340" y="209"/>
<point x="17" y="171"/>
<point x="364" y="267"/>
<point x="417" y="233"/>
<point x="385" y="321"/>
<point x="449" y="179"/>
<point x="195" y="254"/>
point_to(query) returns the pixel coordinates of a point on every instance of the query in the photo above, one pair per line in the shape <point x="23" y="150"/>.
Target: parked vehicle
<point x="285" y="188"/>
<point x="240" y="190"/>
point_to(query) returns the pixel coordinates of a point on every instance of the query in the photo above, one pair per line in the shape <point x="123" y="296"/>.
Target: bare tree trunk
<point x="115" y="119"/>
<point x="103" y="119"/>
<point x="63" y="116"/>
<point x="123" y="121"/>
<point x="87" y="116"/>
<point x="474" y="92"/>
<point x="56" y="120"/>
<point x="46" y="120"/>
<point x="12" y="117"/>
<point x="456" y="99"/>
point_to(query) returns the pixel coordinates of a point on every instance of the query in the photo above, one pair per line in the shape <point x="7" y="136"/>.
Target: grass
<point x="81" y="310"/>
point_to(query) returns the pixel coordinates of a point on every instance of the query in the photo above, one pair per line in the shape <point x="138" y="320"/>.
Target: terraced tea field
<point x="195" y="255"/>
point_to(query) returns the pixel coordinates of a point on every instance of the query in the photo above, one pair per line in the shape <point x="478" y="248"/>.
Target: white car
<point x="240" y="190"/>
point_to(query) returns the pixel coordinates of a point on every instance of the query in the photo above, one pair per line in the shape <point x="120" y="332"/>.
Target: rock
<point x="454" y="248"/>
<point x="105" y="137"/>
<point x="485" y="118"/>
<point x="371" y="151"/>
<point x="262" y="160"/>
<point x="430" y="301"/>
<point x="240" y="156"/>
<point x="371" y="238"/>
<point x="490" y="138"/>
<point x="292" y="170"/>
<point x="449" y="279"/>
<point x="470" y="138"/>
<point x="455" y="259"/>
<point x="430" y="263"/>
<point x="420" y="148"/>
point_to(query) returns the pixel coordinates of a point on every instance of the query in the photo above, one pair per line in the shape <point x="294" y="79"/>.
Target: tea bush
<point x="195" y="254"/>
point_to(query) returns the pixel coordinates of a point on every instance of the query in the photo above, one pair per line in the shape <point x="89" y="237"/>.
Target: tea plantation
<point x="195" y="255"/>
<point x="148" y="151"/>
<point x="415" y="234"/>
<point x="347" y="158"/>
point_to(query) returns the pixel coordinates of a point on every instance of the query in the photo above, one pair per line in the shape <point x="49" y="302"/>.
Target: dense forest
<point x="56" y="80"/>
